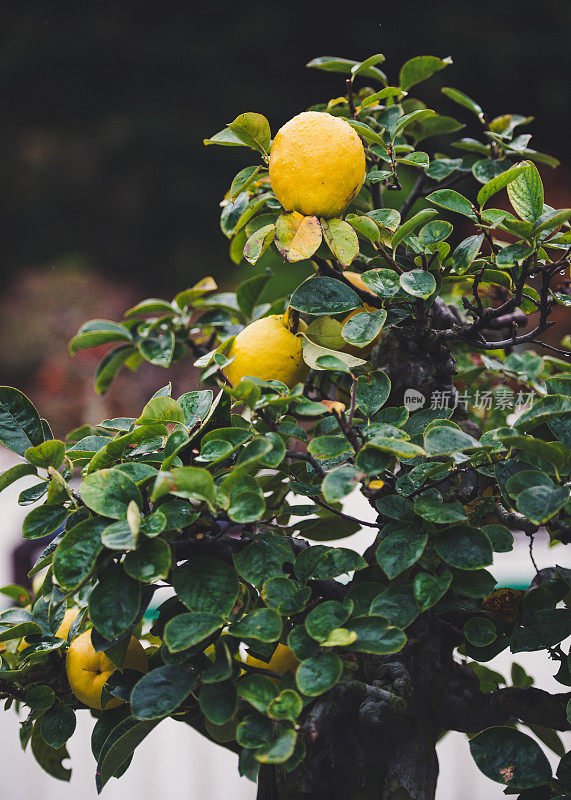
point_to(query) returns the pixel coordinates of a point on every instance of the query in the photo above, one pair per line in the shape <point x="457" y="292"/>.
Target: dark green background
<point x="105" y="105"/>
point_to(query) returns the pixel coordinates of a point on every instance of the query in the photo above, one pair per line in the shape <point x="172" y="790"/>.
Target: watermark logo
<point x="413" y="399"/>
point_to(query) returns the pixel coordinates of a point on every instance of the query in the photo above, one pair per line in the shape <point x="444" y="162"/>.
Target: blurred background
<point x="108" y="195"/>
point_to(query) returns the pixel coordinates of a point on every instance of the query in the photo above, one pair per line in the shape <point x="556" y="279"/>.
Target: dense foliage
<point x="199" y="523"/>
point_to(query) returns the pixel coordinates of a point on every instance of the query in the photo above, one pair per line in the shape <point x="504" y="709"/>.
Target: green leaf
<point x="551" y="220"/>
<point x="433" y="232"/>
<point x="540" y="503"/>
<point x="368" y="134"/>
<point x="225" y="138"/>
<point x="418" y="159"/>
<point x="280" y="749"/>
<point x="20" y="630"/>
<point x="464" y="547"/>
<point x="396" y="507"/>
<point x="432" y="508"/>
<point x="49" y="758"/>
<point x="319" y="674"/>
<point x="376" y="636"/>
<point x="345" y="66"/>
<point x="243" y="180"/>
<point x="258" y="691"/>
<point x="434" y="126"/>
<point x="100" y="331"/>
<point x="110" y="365"/>
<point x="510" y="757"/>
<point x="149" y="562"/>
<point x="43" y="520"/>
<point x="341" y="240"/>
<point x="526" y="194"/>
<point x="206" y="584"/>
<point x="340" y="482"/>
<point x="218" y="702"/>
<point x="253" y="130"/>
<point x="120" y="745"/>
<point x="363" y="328"/>
<point x="322" y="295"/>
<point x="264" y="624"/>
<point x="108" y="492"/>
<point x="418" y="283"/>
<point x="329" y="446"/>
<point x="193" y="483"/>
<point x="254" y="731"/>
<point x="313" y="353"/>
<point x="411" y="225"/>
<point x="365" y="227"/>
<point x="187" y="630"/>
<point x="382" y="282"/>
<point x="298" y="237"/>
<point x="264" y="558"/>
<point x="441" y="440"/>
<point x="40" y="698"/>
<point x="419" y="69"/>
<point x="320" y="562"/>
<point x="452" y="201"/>
<point x="161" y="409"/>
<point x="257" y="244"/>
<point x="400" y="550"/>
<point x="480" y="631"/>
<point x="119" y="536"/>
<point x="287" y="705"/>
<point x="372" y="392"/>
<point x="429" y="589"/>
<point x="462" y="99"/>
<point x="20" y="423"/>
<point x="325" y="618"/>
<point x="114" y="603"/>
<point x="500" y="182"/>
<point x="15" y="473"/>
<point x="513" y="253"/>
<point x="466" y="252"/>
<point x="362" y="67"/>
<point x="161" y="691"/>
<point x="57" y="725"/>
<point x="385" y="218"/>
<point x="487" y="168"/>
<point x="415" y="116"/>
<point x="285" y="596"/>
<point x="501" y="538"/>
<point x="77" y="552"/>
<point x="546" y="409"/>
<point x="396" y="604"/>
<point x="47" y="454"/>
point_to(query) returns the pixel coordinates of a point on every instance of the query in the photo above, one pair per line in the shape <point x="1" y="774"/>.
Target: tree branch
<point x="469" y="711"/>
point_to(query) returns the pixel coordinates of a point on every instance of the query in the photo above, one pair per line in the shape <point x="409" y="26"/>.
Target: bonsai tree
<point x="189" y="571"/>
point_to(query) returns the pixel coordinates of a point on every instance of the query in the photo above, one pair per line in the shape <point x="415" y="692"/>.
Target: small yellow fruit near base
<point x="67" y="622"/>
<point x="317" y="164"/>
<point x="87" y="670"/>
<point x="282" y="661"/>
<point x="267" y="349"/>
<point x="62" y="631"/>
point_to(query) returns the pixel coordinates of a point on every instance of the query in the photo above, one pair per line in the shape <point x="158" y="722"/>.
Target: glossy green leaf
<point x="510" y="757"/>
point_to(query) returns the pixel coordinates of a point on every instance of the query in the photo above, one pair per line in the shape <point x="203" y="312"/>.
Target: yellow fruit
<point x="67" y="622"/>
<point x="317" y="164"/>
<point x="267" y="349"/>
<point x="87" y="671"/>
<point x="282" y="661"/>
<point x="63" y="629"/>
